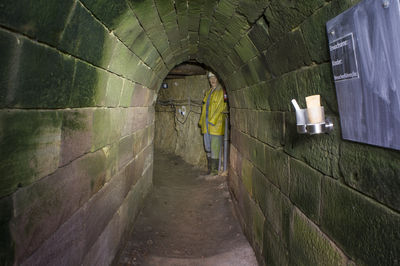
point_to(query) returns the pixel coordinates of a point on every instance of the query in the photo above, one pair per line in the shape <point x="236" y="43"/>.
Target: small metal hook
<point x="385" y="4"/>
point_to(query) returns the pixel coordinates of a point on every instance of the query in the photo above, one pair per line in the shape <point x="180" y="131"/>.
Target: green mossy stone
<point x="247" y="170"/>
<point x="259" y="188"/>
<point x="259" y="35"/>
<point x="109" y="12"/>
<point x="305" y="189"/>
<point x="143" y="47"/>
<point x="283" y="57"/>
<point x="259" y="69"/>
<point x="125" y="151"/>
<point x="284" y="16"/>
<point x="84" y="37"/>
<point x="204" y="27"/>
<point x="274" y="251"/>
<point x="271" y="128"/>
<point x="315" y="35"/>
<point x="287" y="208"/>
<point x="101" y="128"/>
<point x="309" y="246"/>
<point x="365" y="229"/>
<point x="250" y="74"/>
<point x="258" y="227"/>
<point x="281" y="91"/>
<point x="114" y="88"/>
<point x="372" y="170"/>
<point x="146" y="12"/>
<point x="128" y="29"/>
<point x="7" y="245"/>
<point x="84" y="86"/>
<point x="10" y="47"/>
<point x="123" y="62"/>
<point x="43" y="78"/>
<point x="276" y="168"/>
<point x="261" y="96"/>
<point x="112" y="160"/>
<point x="127" y="92"/>
<point x="42" y="20"/>
<point x="30" y="145"/>
<point x="94" y="167"/>
<point x="101" y="87"/>
<point x="117" y="121"/>
<point x="257" y="154"/>
<point x="273" y="207"/>
<point x="165" y="7"/>
<point x="251" y="120"/>
<point x="227" y="7"/>
<point x="252" y="9"/>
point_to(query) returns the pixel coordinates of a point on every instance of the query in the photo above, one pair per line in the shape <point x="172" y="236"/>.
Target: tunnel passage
<point x="79" y="80"/>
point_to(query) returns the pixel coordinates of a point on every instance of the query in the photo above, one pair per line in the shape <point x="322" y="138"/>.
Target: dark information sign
<point x="343" y="56"/>
<point x="364" y="44"/>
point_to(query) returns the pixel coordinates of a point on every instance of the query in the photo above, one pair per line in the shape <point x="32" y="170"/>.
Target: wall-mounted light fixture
<point x="312" y="119"/>
<point x="164" y="85"/>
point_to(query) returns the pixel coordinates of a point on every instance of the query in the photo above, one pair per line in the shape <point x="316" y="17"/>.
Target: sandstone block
<point x="125" y="151"/>
<point x="85" y="84"/>
<point x="286" y="59"/>
<point x="305" y="189"/>
<point x="101" y="208"/>
<point x="247" y="175"/>
<point x="257" y="155"/>
<point x="271" y="128"/>
<point x="6" y="242"/>
<point x="258" y="228"/>
<point x="28" y="84"/>
<point x="30" y="147"/>
<point x="95" y="44"/>
<point x="101" y="128"/>
<point x="274" y="251"/>
<point x="277" y="168"/>
<point x="64" y="247"/>
<point x="43" y="21"/>
<point x="292" y="15"/>
<point x="309" y="246"/>
<point x="41" y="208"/>
<point x="105" y="248"/>
<point x="114" y="88"/>
<point x="371" y="170"/>
<point x="126" y="95"/>
<point x="259" y="35"/>
<point x="347" y="215"/>
<point x="76" y="134"/>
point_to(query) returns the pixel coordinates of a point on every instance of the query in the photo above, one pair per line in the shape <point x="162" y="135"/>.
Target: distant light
<point x="164" y="85"/>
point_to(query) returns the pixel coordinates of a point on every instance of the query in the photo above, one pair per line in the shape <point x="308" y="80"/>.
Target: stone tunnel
<point x="79" y="81"/>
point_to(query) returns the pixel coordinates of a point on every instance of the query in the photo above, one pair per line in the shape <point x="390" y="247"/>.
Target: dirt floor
<point x="187" y="220"/>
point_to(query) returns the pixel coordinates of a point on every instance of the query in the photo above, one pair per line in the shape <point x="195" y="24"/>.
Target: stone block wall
<point x="176" y="133"/>
<point x="304" y="200"/>
<point x="78" y="82"/>
<point x="77" y="95"/>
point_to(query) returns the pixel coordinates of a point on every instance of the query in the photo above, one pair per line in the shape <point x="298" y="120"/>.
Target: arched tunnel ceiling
<point x="153" y="36"/>
<point x="164" y="33"/>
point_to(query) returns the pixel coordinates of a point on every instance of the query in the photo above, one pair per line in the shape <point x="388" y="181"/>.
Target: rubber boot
<point x="214" y="166"/>
<point x="208" y="165"/>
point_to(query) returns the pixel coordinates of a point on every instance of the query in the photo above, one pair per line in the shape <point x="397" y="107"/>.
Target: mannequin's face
<point x="213" y="81"/>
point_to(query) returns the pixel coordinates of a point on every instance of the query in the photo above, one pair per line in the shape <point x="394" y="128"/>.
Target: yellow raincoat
<point x="215" y="115"/>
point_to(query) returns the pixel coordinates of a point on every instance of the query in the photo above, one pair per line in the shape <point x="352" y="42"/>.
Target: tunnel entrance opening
<point x="188" y="218"/>
<point x="178" y="110"/>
